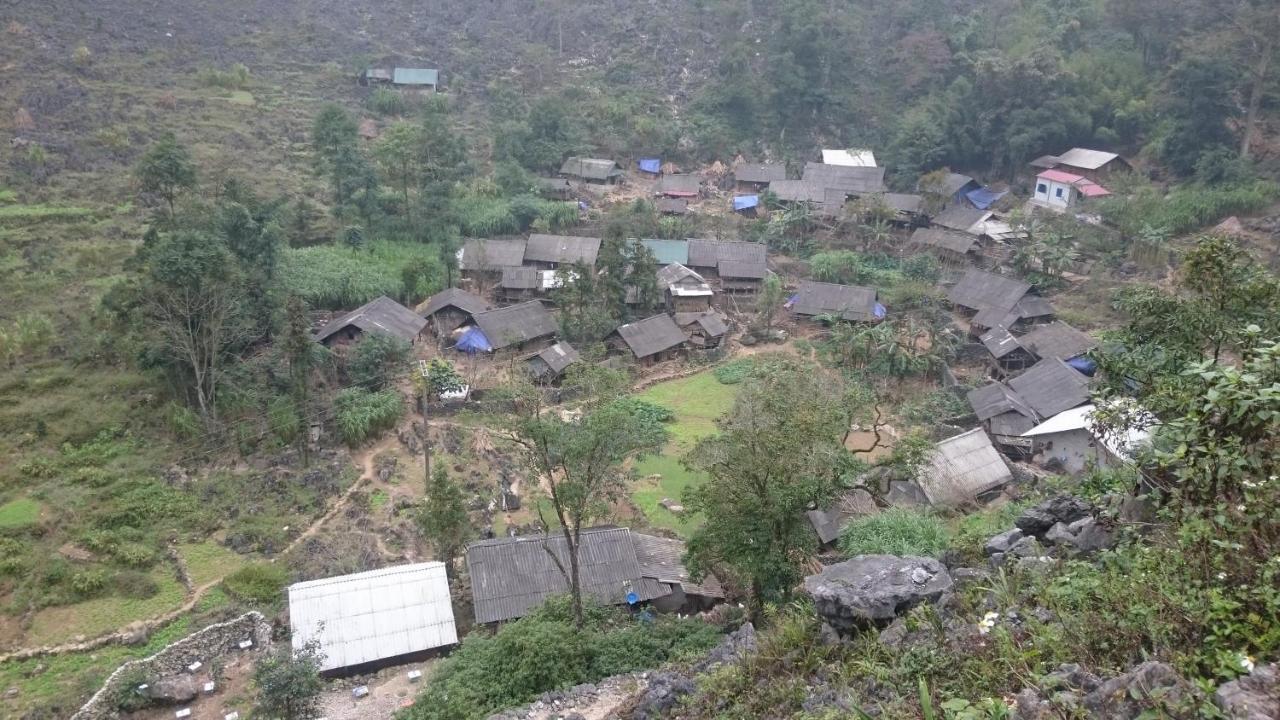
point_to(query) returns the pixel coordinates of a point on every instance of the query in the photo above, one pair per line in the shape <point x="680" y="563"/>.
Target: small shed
<point x="962" y="469"/>
<point x="829" y="522"/>
<point x="417" y="78"/>
<point x="751" y="178"/>
<point x="551" y="251"/>
<point x="369" y="619"/>
<point x="452" y="308"/>
<point x="662" y="560"/>
<point x="653" y="339"/>
<point x="951" y="247"/>
<point x="686" y="290"/>
<point x="555" y="188"/>
<point x="548" y="364"/>
<point x="1051" y="386"/>
<point x="375" y="76"/>
<point x="746" y="204"/>
<point x="672" y="206"/>
<point x="679" y="186"/>
<point x="516" y="326"/>
<point x="853" y="303"/>
<point x="592" y="170"/>
<point x="705" y="329"/>
<point x="1008" y="353"/>
<point x="1057" y="340"/>
<point x="1004" y="414"/>
<point x="382" y="315"/>
<point x="852" y="157"/>
<point x="520" y="283"/>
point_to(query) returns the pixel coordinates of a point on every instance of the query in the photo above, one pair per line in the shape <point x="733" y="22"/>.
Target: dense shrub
<point x="1185" y="208"/>
<point x="361" y="414"/>
<point x="376" y="360"/>
<point x="734" y="371"/>
<point x="647" y="411"/>
<point x="895" y="532"/>
<point x="259" y="582"/>
<point x="330" y="277"/>
<point x="544" y="652"/>
<point x="385" y="101"/>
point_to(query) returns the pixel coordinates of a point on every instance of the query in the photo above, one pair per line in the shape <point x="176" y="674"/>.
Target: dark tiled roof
<point x="959" y="217"/>
<point x="383" y="315"/>
<point x="516" y="324"/>
<point x="953" y="183"/>
<point x="520" y="278"/>
<point x="995" y="399"/>
<point x="760" y="172"/>
<point x="590" y="168"/>
<point x="687" y="184"/>
<point x="511" y="576"/>
<point x="663" y="560"/>
<point x="712" y="324"/>
<point x="979" y="290"/>
<point x="856" y="180"/>
<point x="652" y="335"/>
<point x="492" y="254"/>
<point x="561" y="249"/>
<point x="944" y="239"/>
<point x="902" y="202"/>
<point x="710" y="253"/>
<point x="798" y="190"/>
<point x="999" y="342"/>
<point x="1057" y="340"/>
<point x="1051" y="386"/>
<point x="732" y="269"/>
<point x="847" y="302"/>
<point x="454" y="297"/>
<point x="674" y="273"/>
<point x="557" y="357"/>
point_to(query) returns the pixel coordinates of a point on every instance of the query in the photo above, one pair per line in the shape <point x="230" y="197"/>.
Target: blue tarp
<point x="745" y="202"/>
<point x="880" y="311"/>
<point x="650" y="165"/>
<point x="1084" y="365"/>
<point x="473" y="341"/>
<point x="791" y="300"/>
<point x="983" y="197"/>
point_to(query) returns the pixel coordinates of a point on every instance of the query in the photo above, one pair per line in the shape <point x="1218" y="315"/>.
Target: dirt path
<point x="365" y="459"/>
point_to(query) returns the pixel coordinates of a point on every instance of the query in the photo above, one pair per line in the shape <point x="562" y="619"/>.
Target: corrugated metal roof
<point x="590" y="168"/>
<point x="847" y="302"/>
<point x="492" y="254"/>
<point x="710" y="253"/>
<point x="760" y="172"/>
<point x="1051" y="386"/>
<point x="416" y="76"/>
<point x="511" y="576"/>
<point x="455" y="297"/>
<point x="668" y="251"/>
<point x="1057" y="339"/>
<point x="1061" y="176"/>
<point x="516" y="324"/>
<point x="382" y="315"/>
<point x="662" y="559"/>
<point x="852" y="157"/>
<point x="561" y="249"/>
<point x="374" y="615"/>
<point x="962" y="468"/>
<point x="675" y="272"/>
<point x="1086" y="159"/>
<point x="652" y="335"/>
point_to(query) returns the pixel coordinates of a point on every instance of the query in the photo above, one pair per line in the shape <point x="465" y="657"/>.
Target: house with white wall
<point x="1061" y="189"/>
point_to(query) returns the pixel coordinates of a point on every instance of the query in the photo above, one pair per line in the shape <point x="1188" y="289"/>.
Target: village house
<point x="1030" y="311"/>
<point x="962" y="218"/>
<point x="792" y="192"/>
<point x="1060" y="189"/>
<point x="962" y="470"/>
<point x="548" y="364"/>
<point x="753" y="178"/>
<point x="1057" y="340"/>
<point x="952" y="248"/>
<point x="1072" y="441"/>
<point x="1008" y="410"/>
<point x="991" y="301"/>
<point x="1004" y="415"/>
<point x="425" y="79"/>
<point x="383" y="316"/>
<point x="375" y="76"/>
<point x="555" y="188"/>
<point x="1095" y="165"/>
<point x="452" y="308"/>
<point x="666" y="252"/>
<point x="852" y="303"/>
<point x="1009" y="354"/>
<point x="549" y="252"/>
<point x="854" y="180"/>
<point x="705" y="329"/>
<point x="520" y="283"/>
<point x="484" y="259"/>
<point x="685" y="289"/>
<point x="852" y="157"/>
<point x="369" y="620"/>
<point x="515" y="327"/>
<point x="512" y="576"/>
<point x="653" y="339"/>
<point x="954" y="188"/>
<point x="592" y="170"/>
<point x="739" y="266"/>
<point x="678" y="186"/>
<point x="907" y="209"/>
<point x="672" y="206"/>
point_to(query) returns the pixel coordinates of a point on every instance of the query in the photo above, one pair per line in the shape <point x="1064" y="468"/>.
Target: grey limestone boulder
<point x="1255" y="696"/>
<point x="872" y="590"/>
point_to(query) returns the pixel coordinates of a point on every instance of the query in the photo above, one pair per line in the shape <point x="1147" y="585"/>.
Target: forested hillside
<point x="191" y="192"/>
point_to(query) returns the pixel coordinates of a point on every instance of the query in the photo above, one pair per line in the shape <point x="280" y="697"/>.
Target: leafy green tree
<point x="769" y="302"/>
<point x="375" y="360"/>
<point x="443" y="378"/>
<point x="774" y="455"/>
<point x="299" y="351"/>
<point x="353" y="237"/>
<point x="1199" y="105"/>
<point x="443" y="519"/>
<point x="289" y="683"/>
<point x="396" y="153"/>
<point x="583" y="317"/>
<point x="420" y="276"/>
<point x="166" y="169"/>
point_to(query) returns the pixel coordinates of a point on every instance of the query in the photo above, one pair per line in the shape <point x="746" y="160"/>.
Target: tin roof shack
<point x="383" y="315"/>
<point x="686" y="290"/>
<point x="828" y="523"/>
<point x="705" y="329"/>
<point x="551" y="251"/>
<point x="740" y="266"/>
<point x="662" y="559"/>
<point x="555" y="188"/>
<point x="512" y="576"/>
<point x="653" y="339"/>
<point x="1072" y="441"/>
<point x="751" y="178"/>
<point x="963" y="469"/>
<point x="856" y="181"/>
<point x="666" y="252"/>
<point x="452" y="308"/>
<point x="851" y="157"/>
<point x="427" y="79"/>
<point x="1007" y="352"/>
<point x="592" y="170"/>
<point x="516" y="327"/>
<point x="679" y="186"/>
<point x="548" y="364"/>
<point x="1058" y="189"/>
<point x="843" y="302"/>
<point x="375" y="76"/>
<point x="373" y="619"/>
<point x="950" y="247"/>
<point x="1096" y="165"/>
<point x="485" y="259"/>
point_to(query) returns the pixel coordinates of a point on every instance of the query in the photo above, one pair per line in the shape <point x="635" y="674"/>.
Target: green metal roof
<point x="416" y="76"/>
<point x="668" y="251"/>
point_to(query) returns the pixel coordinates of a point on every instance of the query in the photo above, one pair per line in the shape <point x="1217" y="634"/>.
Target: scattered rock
<point x="75" y="552"/>
<point x="1064" y="509"/>
<point x="1149" y="686"/>
<point x="664" y="691"/>
<point x="172" y="689"/>
<point x="965" y="576"/>
<point x="671" y="505"/>
<point x="1027" y="547"/>
<point x="11" y="692"/>
<point x="1255" y="696"/>
<point x="871" y="590"/>
<point x="905" y="494"/>
<point x="735" y="646"/>
<point x="135" y="633"/>
<point x="1002" y="542"/>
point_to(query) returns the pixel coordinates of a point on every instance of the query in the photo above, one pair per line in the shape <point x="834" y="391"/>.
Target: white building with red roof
<point x="1061" y="189"/>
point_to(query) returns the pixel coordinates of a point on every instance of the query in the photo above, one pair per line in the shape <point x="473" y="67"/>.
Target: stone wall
<point x="203" y="645"/>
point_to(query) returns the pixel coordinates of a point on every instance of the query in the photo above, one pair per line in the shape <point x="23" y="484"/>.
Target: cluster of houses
<point x="394" y="615"/>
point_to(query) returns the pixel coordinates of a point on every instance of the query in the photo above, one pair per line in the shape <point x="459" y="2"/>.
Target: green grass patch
<point x="895" y="532"/>
<point x="102" y="615"/>
<point x="208" y="561"/>
<point x="240" y="97"/>
<point x="19" y="513"/>
<point x="674" y="479"/>
<point x="36" y="213"/>
<point x="339" y="278"/>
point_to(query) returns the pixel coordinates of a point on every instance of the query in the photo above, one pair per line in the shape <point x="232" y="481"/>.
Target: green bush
<point x="235" y="78"/>
<point x="734" y="371"/>
<point x="385" y="101"/>
<point x="1185" y="208"/>
<point x="895" y="532"/>
<point x="134" y="584"/>
<point x="361" y="414"/>
<point x="376" y="360"/>
<point x="259" y="582"/>
<point x="647" y="411"/>
<point x="329" y="277"/>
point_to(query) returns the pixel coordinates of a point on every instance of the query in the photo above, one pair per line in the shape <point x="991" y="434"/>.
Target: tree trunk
<point x="1255" y="95"/>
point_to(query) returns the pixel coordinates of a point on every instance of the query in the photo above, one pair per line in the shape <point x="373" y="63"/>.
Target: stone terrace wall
<point x="204" y="645"/>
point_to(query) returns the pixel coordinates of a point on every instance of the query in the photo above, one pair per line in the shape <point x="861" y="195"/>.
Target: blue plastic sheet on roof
<point x="473" y="341"/>
<point x="1084" y="365"/>
<point x="880" y="311"/>
<point x="745" y="202"/>
<point x="650" y="165"/>
<point x="983" y="197"/>
<point x="792" y="300"/>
